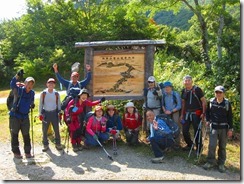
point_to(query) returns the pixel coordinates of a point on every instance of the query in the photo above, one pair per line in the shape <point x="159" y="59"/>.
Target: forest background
<point x="202" y="39"/>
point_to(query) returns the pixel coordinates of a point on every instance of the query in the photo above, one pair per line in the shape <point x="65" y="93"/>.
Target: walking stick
<point x="114" y="144"/>
<point x="109" y="156"/>
<point x="194" y="141"/>
<point x="204" y="137"/>
<point x="32" y="131"/>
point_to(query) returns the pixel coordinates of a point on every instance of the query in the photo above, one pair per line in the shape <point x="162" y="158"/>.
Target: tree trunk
<point x="220" y="34"/>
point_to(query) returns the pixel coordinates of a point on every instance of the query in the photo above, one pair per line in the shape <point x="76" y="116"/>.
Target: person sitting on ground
<point x="131" y="122"/>
<point x="50" y="112"/>
<point x="96" y="128"/>
<point x="160" y="138"/>
<point x="74" y="79"/>
<point x="114" y="124"/>
<point x="19" y="116"/>
<point x="220" y="119"/>
<point x="75" y="118"/>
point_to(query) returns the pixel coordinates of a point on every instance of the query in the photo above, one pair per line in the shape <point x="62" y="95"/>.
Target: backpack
<point x="174" y="98"/>
<point x="10" y="99"/>
<point x="44" y="95"/>
<point x="227" y="104"/>
<point x="173" y="126"/>
<point x="73" y="94"/>
<point x="194" y="94"/>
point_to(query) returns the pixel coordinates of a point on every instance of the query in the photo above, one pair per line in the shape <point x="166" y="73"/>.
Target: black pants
<point x="22" y="125"/>
<point x="132" y="136"/>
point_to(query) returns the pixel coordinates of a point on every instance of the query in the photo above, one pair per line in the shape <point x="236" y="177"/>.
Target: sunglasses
<point x="218" y="92"/>
<point x="150" y="82"/>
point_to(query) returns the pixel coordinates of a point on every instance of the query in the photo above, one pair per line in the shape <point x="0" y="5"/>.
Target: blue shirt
<point x="111" y="122"/>
<point x="162" y="126"/>
<point x="79" y="84"/>
<point x="25" y="101"/>
<point x="168" y="101"/>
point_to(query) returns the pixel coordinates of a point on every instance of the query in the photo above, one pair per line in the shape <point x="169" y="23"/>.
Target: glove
<point x="60" y="116"/>
<point x="102" y="99"/>
<point x="155" y="93"/>
<point x="113" y="132"/>
<point x="68" y="120"/>
<point x="157" y="88"/>
<point x="20" y="73"/>
<point x="41" y="117"/>
<point x="32" y="106"/>
<point x="95" y="137"/>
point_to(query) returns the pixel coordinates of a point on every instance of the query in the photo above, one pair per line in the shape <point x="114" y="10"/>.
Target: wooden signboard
<point x="119" y="73"/>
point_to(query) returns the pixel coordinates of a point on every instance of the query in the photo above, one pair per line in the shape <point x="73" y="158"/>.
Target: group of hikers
<point x="87" y="129"/>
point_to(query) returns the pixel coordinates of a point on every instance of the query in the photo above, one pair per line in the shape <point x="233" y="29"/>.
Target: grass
<point x="233" y="146"/>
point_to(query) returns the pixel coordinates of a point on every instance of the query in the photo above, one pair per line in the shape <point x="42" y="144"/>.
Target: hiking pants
<point x="194" y="120"/>
<point x="131" y="136"/>
<point x="217" y="136"/>
<point x="102" y="137"/>
<point x="22" y="125"/>
<point x="159" y="144"/>
<point x="50" y="117"/>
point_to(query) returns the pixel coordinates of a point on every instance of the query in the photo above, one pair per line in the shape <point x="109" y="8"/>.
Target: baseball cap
<point x="151" y="79"/>
<point x="51" y="80"/>
<point x="28" y="79"/>
<point x="219" y="88"/>
<point x="74" y="74"/>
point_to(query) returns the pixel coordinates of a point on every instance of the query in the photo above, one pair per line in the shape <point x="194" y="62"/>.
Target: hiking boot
<point x="59" y="147"/>
<point x="28" y="155"/>
<point x="75" y="148"/>
<point x="158" y="160"/>
<point x="80" y="148"/>
<point x="221" y="168"/>
<point x="207" y="166"/>
<point x="45" y="148"/>
<point x="18" y="156"/>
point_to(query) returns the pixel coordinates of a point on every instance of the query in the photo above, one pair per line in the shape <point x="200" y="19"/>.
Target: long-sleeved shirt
<point x="218" y="114"/>
<point x="24" y="102"/>
<point x="68" y="84"/>
<point x="114" y="120"/>
<point x="94" y="125"/>
<point x="171" y="101"/>
<point x="163" y="129"/>
<point x="51" y="101"/>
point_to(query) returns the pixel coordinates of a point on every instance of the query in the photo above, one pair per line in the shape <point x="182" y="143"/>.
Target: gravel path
<point x="93" y="164"/>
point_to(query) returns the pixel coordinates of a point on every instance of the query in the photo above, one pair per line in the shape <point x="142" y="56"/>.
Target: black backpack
<point x="11" y="105"/>
<point x="171" y="124"/>
<point x="73" y="94"/>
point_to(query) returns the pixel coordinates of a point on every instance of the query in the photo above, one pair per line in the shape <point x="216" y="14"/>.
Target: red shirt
<point x="131" y="121"/>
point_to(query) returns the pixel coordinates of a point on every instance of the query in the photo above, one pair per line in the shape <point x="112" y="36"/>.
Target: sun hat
<point x="98" y="107"/>
<point x="151" y="79"/>
<point x="84" y="91"/>
<point x="168" y="84"/>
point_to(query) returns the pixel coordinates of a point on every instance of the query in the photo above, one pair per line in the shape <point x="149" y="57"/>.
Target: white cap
<point x="28" y="79"/>
<point x="151" y="79"/>
<point x="129" y="104"/>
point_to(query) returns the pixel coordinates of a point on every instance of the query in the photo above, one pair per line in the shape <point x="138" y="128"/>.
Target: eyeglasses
<point x="218" y="92"/>
<point x="150" y="82"/>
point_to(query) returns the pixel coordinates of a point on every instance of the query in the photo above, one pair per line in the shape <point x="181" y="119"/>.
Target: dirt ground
<point x="93" y="165"/>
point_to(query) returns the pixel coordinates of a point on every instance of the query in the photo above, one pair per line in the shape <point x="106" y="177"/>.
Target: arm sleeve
<point x="178" y="99"/>
<point x="71" y="103"/>
<point x="88" y="126"/>
<point x="62" y="80"/>
<point x="120" y="126"/>
<point x="84" y="82"/>
<point x="90" y="104"/>
<point x="13" y="83"/>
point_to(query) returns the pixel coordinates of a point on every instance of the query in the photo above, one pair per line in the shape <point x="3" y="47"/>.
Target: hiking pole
<point x="32" y="131"/>
<point x="65" y="140"/>
<point x="109" y="156"/>
<point x="204" y="137"/>
<point x="114" y="144"/>
<point x="194" y="141"/>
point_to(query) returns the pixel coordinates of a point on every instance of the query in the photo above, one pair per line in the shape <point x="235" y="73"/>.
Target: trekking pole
<point x="195" y="137"/>
<point x="32" y="131"/>
<point x="114" y="144"/>
<point x="204" y="137"/>
<point x="65" y="140"/>
<point x="109" y="156"/>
